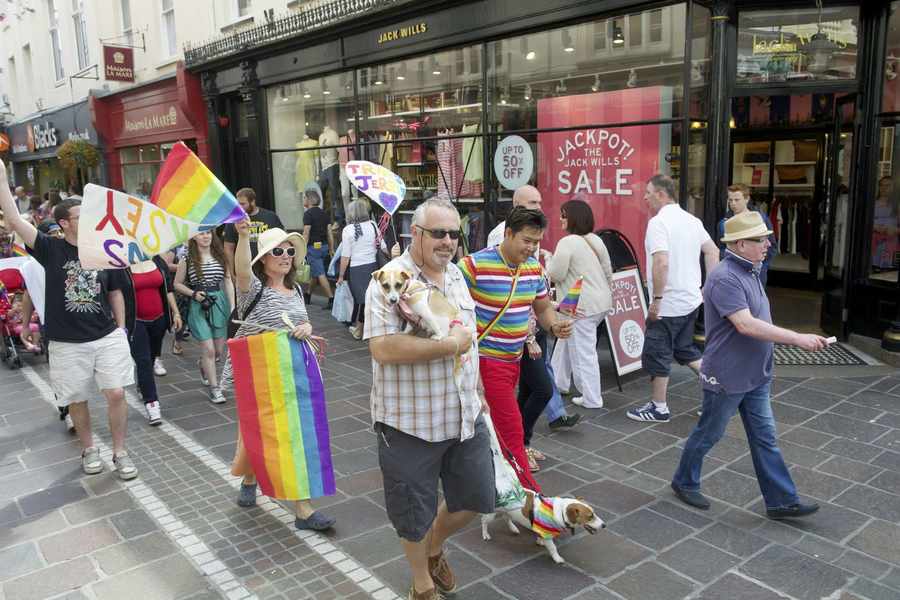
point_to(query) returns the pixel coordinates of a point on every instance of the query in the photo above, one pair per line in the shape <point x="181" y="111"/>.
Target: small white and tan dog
<point x="548" y="518"/>
<point x="422" y="305"/>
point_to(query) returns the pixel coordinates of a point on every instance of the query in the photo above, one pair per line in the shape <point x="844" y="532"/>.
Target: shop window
<point x="55" y="44"/>
<point x="701" y="44"/>
<point x="141" y="165"/>
<point x="891" y="97"/>
<point x="696" y="169"/>
<point x="82" y="49"/>
<point x="169" y="39"/>
<point x="797" y="44"/>
<point x="312" y="130"/>
<point x="603" y="59"/>
<point x="885" y="249"/>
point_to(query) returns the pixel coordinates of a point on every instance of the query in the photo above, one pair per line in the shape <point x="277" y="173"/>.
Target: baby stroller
<point x="11" y="325"/>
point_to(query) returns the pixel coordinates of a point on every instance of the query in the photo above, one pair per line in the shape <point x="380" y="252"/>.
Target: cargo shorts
<point x="411" y="468"/>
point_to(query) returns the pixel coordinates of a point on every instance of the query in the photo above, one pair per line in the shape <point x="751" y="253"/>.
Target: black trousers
<point x="146" y="346"/>
<point x="535" y="387"/>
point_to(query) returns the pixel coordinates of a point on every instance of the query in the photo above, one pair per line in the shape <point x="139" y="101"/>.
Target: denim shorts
<point x="315" y="258"/>
<point x="411" y="468"/>
<point x="668" y="338"/>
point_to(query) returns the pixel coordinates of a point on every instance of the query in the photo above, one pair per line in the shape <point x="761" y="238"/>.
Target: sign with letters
<point x="118" y="63"/>
<point x="116" y="230"/>
<point x="625" y="324"/>
<point x="384" y="187"/>
<point x="513" y="162"/>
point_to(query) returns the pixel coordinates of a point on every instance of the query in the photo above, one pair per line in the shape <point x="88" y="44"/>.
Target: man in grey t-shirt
<point x="736" y="371"/>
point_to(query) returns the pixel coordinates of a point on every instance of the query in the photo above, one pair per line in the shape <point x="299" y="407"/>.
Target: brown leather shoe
<point x="432" y="594"/>
<point x="443" y="577"/>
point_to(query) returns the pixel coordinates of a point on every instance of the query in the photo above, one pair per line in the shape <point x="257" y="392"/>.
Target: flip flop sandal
<point x="533" y="465"/>
<point x="537" y="454"/>
<point x="316" y="521"/>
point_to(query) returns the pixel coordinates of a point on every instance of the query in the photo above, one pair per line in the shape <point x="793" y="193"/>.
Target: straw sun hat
<point x="748" y="224"/>
<point x="272" y="238"/>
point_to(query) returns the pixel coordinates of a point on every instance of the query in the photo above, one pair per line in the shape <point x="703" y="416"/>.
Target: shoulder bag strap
<point x="253" y="304"/>
<point x="496" y="318"/>
<point x="591" y="246"/>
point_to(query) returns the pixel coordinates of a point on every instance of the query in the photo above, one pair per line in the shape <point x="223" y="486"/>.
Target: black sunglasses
<point x="439" y="234"/>
<point x="279" y="251"/>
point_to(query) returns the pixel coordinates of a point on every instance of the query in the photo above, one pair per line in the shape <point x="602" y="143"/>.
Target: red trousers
<point x="500" y="379"/>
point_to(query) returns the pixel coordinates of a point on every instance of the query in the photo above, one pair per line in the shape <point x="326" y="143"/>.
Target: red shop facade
<point x="140" y="125"/>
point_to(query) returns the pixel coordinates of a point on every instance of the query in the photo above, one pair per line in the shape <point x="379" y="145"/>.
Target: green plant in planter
<point x="77" y="157"/>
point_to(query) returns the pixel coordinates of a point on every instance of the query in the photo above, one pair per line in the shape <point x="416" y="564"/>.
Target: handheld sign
<point x="382" y="186"/>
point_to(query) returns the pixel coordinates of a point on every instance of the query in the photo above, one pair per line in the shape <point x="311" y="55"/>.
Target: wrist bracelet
<point x="657" y="297"/>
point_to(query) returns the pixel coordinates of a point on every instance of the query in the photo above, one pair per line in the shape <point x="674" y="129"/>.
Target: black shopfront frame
<point x="353" y="44"/>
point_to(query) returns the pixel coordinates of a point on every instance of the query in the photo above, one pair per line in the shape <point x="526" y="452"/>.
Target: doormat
<point x="835" y="354"/>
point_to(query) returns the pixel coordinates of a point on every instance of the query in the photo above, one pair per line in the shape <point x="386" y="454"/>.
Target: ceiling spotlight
<point x="618" y="36"/>
<point x="527" y="95"/>
<point x="595" y="87"/>
<point x="401" y="76"/>
<point x="325" y="90"/>
<point x="528" y="54"/>
<point x="632" y="79"/>
<point x="283" y="94"/>
<point x="503" y="99"/>
<point x="306" y="93"/>
<point x="435" y="67"/>
<point x="568" y="46"/>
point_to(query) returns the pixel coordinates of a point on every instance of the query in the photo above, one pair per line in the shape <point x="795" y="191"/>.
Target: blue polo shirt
<point x="732" y="362"/>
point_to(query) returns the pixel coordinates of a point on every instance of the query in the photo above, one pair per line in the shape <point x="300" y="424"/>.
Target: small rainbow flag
<point x="186" y="188"/>
<point x="569" y="304"/>
<point x="19" y="250"/>
<point x="281" y="413"/>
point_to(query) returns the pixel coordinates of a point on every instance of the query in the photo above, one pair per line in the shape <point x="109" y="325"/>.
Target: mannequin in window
<point x="306" y="169"/>
<point x="329" y="178"/>
<point x="345" y="155"/>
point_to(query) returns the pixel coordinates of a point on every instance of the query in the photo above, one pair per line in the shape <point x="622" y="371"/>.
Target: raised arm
<point x="241" y="257"/>
<point x="14" y="220"/>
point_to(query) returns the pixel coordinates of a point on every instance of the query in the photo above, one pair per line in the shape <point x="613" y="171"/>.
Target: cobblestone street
<point x="176" y="532"/>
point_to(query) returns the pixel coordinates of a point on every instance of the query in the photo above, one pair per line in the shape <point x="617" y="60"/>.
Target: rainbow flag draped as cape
<point x="569" y="304"/>
<point x="186" y="188"/>
<point x="281" y="413"/>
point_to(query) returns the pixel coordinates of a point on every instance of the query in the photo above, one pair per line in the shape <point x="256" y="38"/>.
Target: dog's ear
<point x="579" y="514"/>
<point x="376" y="274"/>
<point x="405" y="275"/>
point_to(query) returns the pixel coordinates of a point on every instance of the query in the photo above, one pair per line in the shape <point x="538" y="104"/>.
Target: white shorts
<point x="75" y="365"/>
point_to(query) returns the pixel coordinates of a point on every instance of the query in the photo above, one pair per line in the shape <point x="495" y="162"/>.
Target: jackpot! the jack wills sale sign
<point x="609" y="166"/>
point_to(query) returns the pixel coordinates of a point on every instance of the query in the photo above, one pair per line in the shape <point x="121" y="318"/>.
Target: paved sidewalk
<point x="840" y="435"/>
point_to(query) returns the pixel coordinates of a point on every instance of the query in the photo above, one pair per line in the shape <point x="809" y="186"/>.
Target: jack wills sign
<point x="404" y="32"/>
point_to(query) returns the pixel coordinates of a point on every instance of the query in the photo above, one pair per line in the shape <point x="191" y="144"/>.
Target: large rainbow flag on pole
<point x="282" y="417"/>
<point x="186" y="188"/>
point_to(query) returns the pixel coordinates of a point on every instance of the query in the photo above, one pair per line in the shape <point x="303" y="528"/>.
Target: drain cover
<point x="835" y="354"/>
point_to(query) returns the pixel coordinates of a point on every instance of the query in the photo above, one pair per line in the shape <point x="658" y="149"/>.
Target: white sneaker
<point x="579" y="400"/>
<point x="203" y="378"/>
<point x="70" y="424"/>
<point x="124" y="466"/>
<point x="154" y="416"/>
<point x="159" y="368"/>
<point x="216" y="396"/>
<point x="90" y="461"/>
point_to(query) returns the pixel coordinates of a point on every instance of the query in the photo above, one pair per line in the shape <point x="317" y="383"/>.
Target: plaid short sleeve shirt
<point x="428" y="400"/>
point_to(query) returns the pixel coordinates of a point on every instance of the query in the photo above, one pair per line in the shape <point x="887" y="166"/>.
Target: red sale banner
<point x="626" y="322"/>
<point x="608" y="166"/>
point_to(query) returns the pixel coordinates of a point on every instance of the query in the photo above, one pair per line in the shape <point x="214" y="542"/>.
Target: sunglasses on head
<point x="279" y="251"/>
<point x="439" y="234"/>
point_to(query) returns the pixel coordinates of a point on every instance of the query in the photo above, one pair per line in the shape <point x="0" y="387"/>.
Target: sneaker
<point x="315" y="522"/>
<point x="649" y="412"/>
<point x="355" y="332"/>
<point x="90" y="461"/>
<point x="70" y="424"/>
<point x="153" y="414"/>
<point x="579" y="401"/>
<point x="216" y="396"/>
<point x="691" y="498"/>
<point x="792" y="511"/>
<point x="247" y="495"/>
<point x="124" y="466"/>
<point x="565" y="422"/>
<point x="159" y="369"/>
<point x="203" y="378"/>
<point x="443" y="578"/>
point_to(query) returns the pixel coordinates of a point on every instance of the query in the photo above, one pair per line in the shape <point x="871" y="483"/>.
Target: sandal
<point x="537" y="454"/>
<point x="533" y="465"/>
<point x="177" y="350"/>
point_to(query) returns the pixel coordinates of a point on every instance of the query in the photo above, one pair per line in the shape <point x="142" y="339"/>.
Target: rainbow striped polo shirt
<point x="489" y="281"/>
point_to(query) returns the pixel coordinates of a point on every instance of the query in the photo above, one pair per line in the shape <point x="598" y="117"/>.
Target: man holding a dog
<point x="507" y="282"/>
<point x="426" y="408"/>
<point x="737" y="370"/>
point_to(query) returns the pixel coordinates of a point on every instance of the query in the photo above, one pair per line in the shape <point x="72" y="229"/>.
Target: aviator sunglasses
<point x="439" y="234"/>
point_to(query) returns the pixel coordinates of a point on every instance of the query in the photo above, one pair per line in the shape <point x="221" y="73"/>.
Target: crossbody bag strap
<point x="496" y="318"/>
<point x="597" y="254"/>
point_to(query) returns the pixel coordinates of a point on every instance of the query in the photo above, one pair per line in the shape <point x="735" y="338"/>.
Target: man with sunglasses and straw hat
<point x="736" y="371"/>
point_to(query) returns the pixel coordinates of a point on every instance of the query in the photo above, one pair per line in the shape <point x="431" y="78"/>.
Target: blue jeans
<point x="775" y="481"/>
<point x="555" y="408"/>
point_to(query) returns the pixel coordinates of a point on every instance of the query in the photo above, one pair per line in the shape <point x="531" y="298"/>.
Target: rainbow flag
<point x="186" y="188"/>
<point x="281" y="413"/>
<point x="569" y="304"/>
<point x="19" y="250"/>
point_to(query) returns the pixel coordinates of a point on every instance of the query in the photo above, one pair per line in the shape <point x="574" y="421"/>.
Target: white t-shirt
<point x="682" y="235"/>
<point x="361" y="251"/>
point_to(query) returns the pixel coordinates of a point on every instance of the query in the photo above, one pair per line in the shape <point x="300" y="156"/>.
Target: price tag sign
<point x="513" y="162"/>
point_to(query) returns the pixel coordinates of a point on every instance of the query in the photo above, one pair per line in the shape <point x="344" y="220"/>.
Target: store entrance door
<point x="835" y="217"/>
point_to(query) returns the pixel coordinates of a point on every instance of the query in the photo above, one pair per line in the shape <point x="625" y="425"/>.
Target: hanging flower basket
<point x="78" y="156"/>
